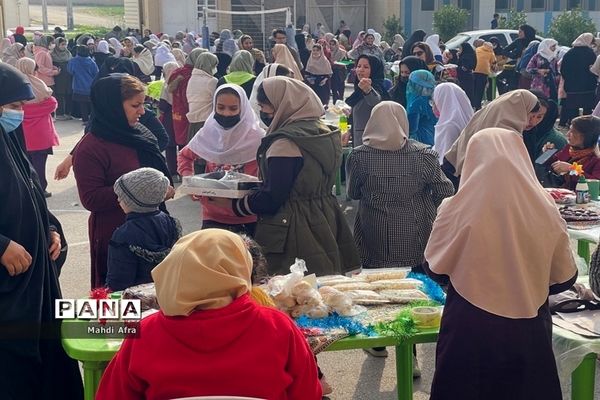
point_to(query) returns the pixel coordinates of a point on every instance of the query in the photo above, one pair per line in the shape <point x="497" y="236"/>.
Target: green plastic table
<point x="404" y="355"/>
<point x="95" y="354"/>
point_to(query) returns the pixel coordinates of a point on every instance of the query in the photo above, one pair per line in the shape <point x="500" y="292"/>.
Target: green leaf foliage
<point x="449" y="20"/>
<point x="567" y="26"/>
<point x="392" y="27"/>
<point x="514" y="19"/>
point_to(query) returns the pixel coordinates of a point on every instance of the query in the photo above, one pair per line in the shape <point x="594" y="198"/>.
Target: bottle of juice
<point x="343" y="124"/>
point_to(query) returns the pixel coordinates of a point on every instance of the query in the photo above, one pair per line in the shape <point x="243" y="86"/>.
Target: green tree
<point x="514" y="19"/>
<point x="448" y="20"/>
<point x="392" y="27"/>
<point x="567" y="26"/>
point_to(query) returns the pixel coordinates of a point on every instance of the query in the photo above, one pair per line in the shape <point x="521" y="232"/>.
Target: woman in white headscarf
<point x="142" y="57"/>
<point x="162" y="56"/>
<point x="504" y="247"/>
<point x="544" y="69"/>
<point x="117" y="46"/>
<point x="398" y="44"/>
<point x="579" y="81"/>
<point x="102" y="53"/>
<point x="318" y="74"/>
<point x="434" y="44"/>
<point x="228" y="141"/>
<point x="452" y="107"/>
<point x="394" y="208"/>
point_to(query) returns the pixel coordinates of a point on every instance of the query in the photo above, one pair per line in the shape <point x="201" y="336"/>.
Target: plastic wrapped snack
<point x="312" y="311"/>
<point x="305" y="294"/>
<point x="337" y="301"/>
<point x="353" y="286"/>
<point x="366" y="297"/>
<point x="146" y="293"/>
<point x="403" y="295"/>
<point x="333" y="280"/>
<point x="383" y="275"/>
<point x="396" y="284"/>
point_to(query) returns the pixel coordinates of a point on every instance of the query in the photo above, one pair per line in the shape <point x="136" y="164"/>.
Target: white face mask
<point x="51" y="47"/>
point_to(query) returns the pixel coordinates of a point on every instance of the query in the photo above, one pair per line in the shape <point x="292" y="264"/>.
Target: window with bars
<point x="427" y="5"/>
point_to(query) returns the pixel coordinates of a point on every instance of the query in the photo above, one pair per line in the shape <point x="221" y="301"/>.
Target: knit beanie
<point x="142" y="190"/>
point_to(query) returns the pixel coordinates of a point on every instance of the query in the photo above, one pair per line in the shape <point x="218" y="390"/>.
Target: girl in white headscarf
<point x="452" y="107"/>
<point x="434" y="44"/>
<point x="499" y="276"/>
<point x="228" y="141"/>
<point x="544" y="69"/>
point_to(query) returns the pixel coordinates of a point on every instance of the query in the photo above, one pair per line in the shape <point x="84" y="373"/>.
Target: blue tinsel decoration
<point x="431" y="288"/>
<point x="335" y="321"/>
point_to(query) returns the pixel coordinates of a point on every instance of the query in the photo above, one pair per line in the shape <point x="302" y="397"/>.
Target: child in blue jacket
<point x="84" y="70"/>
<point x="421" y="119"/>
<point x="148" y="234"/>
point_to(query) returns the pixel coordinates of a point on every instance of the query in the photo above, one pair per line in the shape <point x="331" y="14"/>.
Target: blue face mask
<point x="11" y="119"/>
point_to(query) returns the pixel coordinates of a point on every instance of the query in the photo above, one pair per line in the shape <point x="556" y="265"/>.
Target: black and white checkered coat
<point x="399" y="192"/>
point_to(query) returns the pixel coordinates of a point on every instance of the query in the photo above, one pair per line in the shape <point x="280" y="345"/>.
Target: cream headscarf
<point x="583" y="40"/>
<point x="117" y="46"/>
<point x="544" y="49"/>
<point x="501" y="238"/>
<point x="12" y="54"/>
<point x="387" y="127"/>
<point x="167" y="70"/>
<point x="455" y="113"/>
<point x="509" y="111"/>
<point x="145" y="61"/>
<point x="318" y="65"/>
<point x="179" y="56"/>
<point x="207" y="269"/>
<point x="40" y="90"/>
<point x="282" y="55"/>
<point x="293" y="101"/>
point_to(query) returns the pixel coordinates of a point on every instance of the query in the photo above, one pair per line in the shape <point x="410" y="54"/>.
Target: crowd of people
<point x="445" y="184"/>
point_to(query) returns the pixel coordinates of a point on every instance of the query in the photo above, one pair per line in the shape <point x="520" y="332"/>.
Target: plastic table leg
<point x="582" y="379"/>
<point x="92" y="372"/>
<point x="583" y="250"/>
<point x="404" y="370"/>
<point x="494" y="85"/>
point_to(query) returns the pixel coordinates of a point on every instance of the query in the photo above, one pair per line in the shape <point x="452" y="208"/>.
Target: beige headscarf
<point x="501" y="238"/>
<point x="12" y="54"/>
<point x="509" y="111"/>
<point x="167" y="70"/>
<point x="387" y="127"/>
<point x="293" y="101"/>
<point x="206" y="269"/>
<point x="179" y="56"/>
<point x="583" y="40"/>
<point x="282" y="55"/>
<point x="40" y="90"/>
<point x="318" y="65"/>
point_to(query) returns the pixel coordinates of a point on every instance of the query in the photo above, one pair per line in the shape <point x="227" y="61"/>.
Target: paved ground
<point x="354" y="375"/>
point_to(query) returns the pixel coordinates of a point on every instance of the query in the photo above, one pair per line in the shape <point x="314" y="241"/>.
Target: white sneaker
<point x="377" y="352"/>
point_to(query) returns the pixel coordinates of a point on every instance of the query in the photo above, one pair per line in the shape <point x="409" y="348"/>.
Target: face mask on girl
<point x="227" y="121"/>
<point x="11" y="119"/>
<point x="267" y="119"/>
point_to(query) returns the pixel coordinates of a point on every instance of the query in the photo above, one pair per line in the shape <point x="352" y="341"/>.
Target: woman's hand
<point x="63" y="169"/>
<point x="365" y="85"/>
<point x="561" y="167"/>
<point x="15" y="259"/>
<point x="220" y="202"/>
<point x="170" y="193"/>
<point x="345" y="139"/>
<point x="55" y="246"/>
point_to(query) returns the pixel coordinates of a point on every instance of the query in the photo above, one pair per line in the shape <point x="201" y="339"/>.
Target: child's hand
<point x="170" y="193"/>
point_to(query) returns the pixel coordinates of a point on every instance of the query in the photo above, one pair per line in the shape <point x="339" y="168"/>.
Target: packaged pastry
<point x="336" y="301"/>
<point x="366" y="297"/>
<point x="383" y="275"/>
<point x="334" y="280"/>
<point x="354" y="286"/>
<point x="403" y="295"/>
<point x="386" y="284"/>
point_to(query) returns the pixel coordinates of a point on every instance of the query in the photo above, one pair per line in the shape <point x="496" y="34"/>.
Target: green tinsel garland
<point x="403" y="326"/>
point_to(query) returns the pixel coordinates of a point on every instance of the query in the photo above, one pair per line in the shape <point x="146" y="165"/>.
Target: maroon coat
<point x="97" y="164"/>
<point x="591" y="166"/>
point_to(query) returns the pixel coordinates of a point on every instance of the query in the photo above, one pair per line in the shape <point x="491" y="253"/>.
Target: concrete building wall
<point x="379" y="11"/>
<point x="14" y="13"/>
<point x="181" y="15"/>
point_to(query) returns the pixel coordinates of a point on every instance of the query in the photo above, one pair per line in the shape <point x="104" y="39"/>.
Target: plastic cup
<point x="594" y="188"/>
